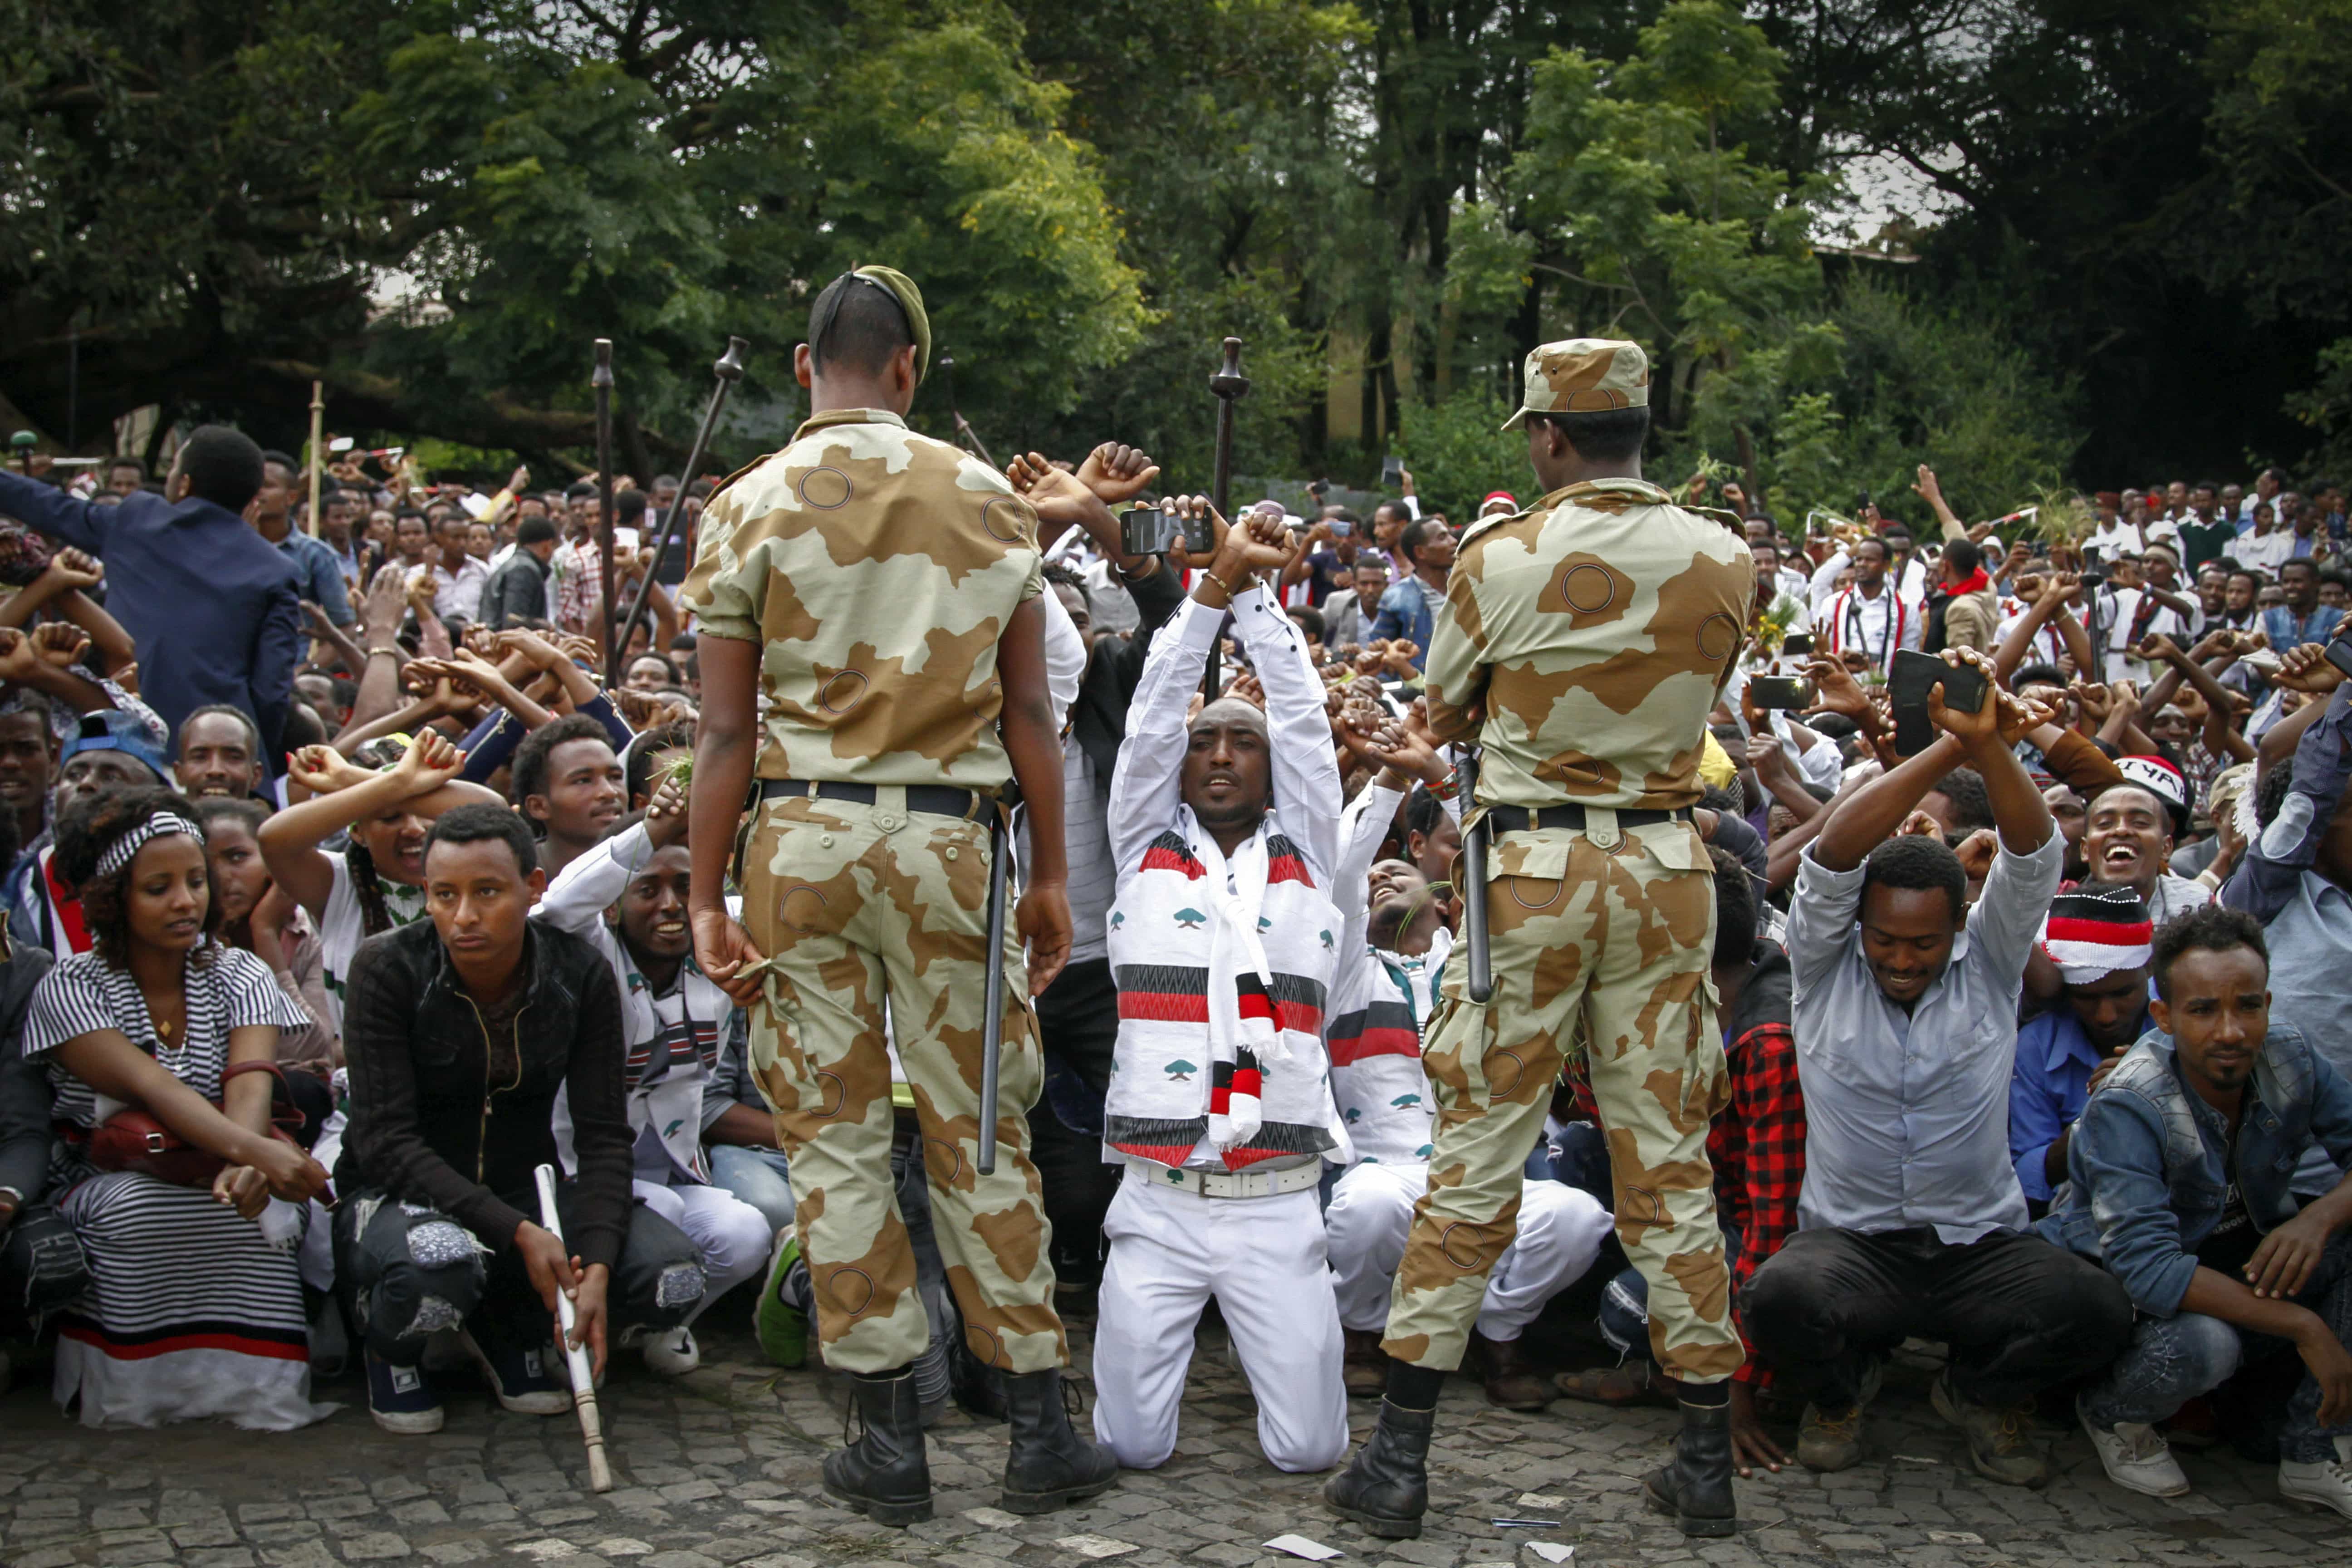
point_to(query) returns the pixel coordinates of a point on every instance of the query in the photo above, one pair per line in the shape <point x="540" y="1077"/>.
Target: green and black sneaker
<point x="780" y="1321"/>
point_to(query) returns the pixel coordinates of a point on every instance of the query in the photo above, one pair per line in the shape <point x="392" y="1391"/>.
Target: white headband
<point x="125" y="849"/>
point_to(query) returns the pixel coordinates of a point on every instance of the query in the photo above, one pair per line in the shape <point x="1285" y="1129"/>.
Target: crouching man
<point x="459" y="1032"/>
<point x="1222" y="944"/>
<point x="2179" y="1176"/>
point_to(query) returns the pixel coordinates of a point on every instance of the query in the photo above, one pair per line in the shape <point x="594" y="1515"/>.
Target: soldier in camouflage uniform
<point x="1583" y="641"/>
<point x="882" y="589"/>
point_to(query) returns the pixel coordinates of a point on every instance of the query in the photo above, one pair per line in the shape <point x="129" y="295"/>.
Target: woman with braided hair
<point x="377" y="883"/>
<point x="194" y="1308"/>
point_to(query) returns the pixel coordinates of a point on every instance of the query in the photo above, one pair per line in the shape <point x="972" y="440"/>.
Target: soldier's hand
<point x="1043" y="919"/>
<point x="725" y="952"/>
<point x="1117" y="473"/>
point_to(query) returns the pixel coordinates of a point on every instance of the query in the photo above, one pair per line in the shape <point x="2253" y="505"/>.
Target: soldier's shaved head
<point x="856" y="325"/>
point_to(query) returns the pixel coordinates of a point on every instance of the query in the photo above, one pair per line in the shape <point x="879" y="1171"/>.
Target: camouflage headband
<point x="895" y="284"/>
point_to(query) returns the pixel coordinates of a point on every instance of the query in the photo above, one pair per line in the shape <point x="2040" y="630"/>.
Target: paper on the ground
<point x="1300" y="1546"/>
<point x="1541" y="1500"/>
<point x="1095" y="1546"/>
<point x="1551" y="1551"/>
<point x="994" y="1517"/>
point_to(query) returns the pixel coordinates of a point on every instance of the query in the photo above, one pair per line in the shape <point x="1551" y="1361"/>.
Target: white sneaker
<point x="2325" y="1483"/>
<point x="673" y="1352"/>
<point x="2137" y="1458"/>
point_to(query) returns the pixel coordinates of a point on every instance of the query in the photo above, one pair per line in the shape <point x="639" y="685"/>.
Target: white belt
<point x="1226" y="1183"/>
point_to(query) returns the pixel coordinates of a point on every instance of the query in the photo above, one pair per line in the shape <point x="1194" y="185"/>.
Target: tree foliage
<point x="434" y="205"/>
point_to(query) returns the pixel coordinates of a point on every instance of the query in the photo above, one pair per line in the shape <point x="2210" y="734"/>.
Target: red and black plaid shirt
<point x="1758" y="1149"/>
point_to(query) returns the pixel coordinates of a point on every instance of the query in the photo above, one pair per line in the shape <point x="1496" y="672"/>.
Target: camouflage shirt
<point x="1596" y="627"/>
<point x="877" y="568"/>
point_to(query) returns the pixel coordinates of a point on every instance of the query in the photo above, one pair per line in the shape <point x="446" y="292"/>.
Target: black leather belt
<point x="935" y="800"/>
<point x="1526" y="819"/>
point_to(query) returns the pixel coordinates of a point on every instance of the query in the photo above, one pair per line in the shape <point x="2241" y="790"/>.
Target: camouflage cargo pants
<point x="854" y="904"/>
<point x="1604" y="940"/>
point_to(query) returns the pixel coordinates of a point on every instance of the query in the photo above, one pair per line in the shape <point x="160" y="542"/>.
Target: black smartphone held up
<point x="1914" y="675"/>
<point x="2339" y="654"/>
<point x="1392" y="471"/>
<point x="1797" y="645"/>
<point x="1783" y="692"/>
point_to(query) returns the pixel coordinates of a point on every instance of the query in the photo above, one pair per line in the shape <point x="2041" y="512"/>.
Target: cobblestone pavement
<point x="719" y="1470"/>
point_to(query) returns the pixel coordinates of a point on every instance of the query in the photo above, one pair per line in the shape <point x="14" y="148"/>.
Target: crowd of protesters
<point x="343" y="892"/>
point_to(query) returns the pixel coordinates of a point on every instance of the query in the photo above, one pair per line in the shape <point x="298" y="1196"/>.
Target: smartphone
<point x="2339" y="654"/>
<point x="1908" y="684"/>
<point x="1797" y="645"/>
<point x="1392" y="471"/>
<point x="2040" y="548"/>
<point x="1779" y="691"/>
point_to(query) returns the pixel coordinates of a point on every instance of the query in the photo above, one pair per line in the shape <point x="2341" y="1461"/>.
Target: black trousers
<point x="1077" y="1024"/>
<point x="2019" y="1314"/>
<point x="42" y="1269"/>
<point x="407" y="1271"/>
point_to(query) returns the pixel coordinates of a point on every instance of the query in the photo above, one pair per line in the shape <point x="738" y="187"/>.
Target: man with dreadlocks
<point x="1223" y="942"/>
<point x="882" y="589"/>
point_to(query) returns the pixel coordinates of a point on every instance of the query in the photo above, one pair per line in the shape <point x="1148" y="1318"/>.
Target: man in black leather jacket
<point x="460" y="1032"/>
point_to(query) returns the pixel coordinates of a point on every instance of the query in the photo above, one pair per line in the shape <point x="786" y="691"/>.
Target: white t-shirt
<point x="342" y="926"/>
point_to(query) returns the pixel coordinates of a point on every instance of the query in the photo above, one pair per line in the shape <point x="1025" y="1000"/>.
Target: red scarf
<point x="1975" y="581"/>
<point x="67" y="906"/>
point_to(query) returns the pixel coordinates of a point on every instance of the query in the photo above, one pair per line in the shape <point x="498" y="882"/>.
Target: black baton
<point x="1474" y="883"/>
<point x="991" y="1029"/>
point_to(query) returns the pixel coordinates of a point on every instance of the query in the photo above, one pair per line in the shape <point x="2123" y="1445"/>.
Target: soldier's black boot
<point x="1696" y="1487"/>
<point x="1385" y="1488"/>
<point x="883" y="1474"/>
<point x="1049" y="1466"/>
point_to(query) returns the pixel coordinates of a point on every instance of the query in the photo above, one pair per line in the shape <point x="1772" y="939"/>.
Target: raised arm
<point x="2273" y="867"/>
<point x="49" y="509"/>
<point x="1306" y="774"/>
<point x="344" y="795"/>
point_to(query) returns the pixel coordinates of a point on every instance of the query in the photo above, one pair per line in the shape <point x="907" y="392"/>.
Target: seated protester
<point x="1223" y="831"/>
<point x="2097" y="938"/>
<point x="112" y="750"/>
<point x="1910" y="1221"/>
<point x="1391" y="949"/>
<point x="377" y="884"/>
<point x="2127" y="837"/>
<point x="219" y="753"/>
<point x="2295" y="877"/>
<point x="41" y="1265"/>
<point x="2180" y="1183"/>
<point x="1758" y="1149"/>
<point x="271" y="926"/>
<point x="194" y="1310"/>
<point x="435" y="1229"/>
<point x="627" y="898"/>
<point x="569" y="785"/>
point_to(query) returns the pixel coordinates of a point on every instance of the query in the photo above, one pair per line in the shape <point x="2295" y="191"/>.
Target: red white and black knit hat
<point x="2162" y="779"/>
<point x="2092" y="931"/>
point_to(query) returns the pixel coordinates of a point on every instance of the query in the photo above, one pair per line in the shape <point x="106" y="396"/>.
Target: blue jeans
<point x="757" y="1176"/>
<point x="2173" y="1359"/>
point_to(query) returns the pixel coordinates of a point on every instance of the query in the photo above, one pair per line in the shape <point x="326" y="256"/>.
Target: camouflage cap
<point x="1584" y="376"/>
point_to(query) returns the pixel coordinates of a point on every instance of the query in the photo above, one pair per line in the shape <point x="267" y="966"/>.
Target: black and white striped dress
<point x="192" y="1313"/>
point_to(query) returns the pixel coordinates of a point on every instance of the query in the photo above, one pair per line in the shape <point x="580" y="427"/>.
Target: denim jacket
<point x="2146" y="1170"/>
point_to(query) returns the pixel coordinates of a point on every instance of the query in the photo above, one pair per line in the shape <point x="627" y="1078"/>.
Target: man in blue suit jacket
<point x="212" y="606"/>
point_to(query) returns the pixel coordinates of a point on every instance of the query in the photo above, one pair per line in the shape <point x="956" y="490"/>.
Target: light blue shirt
<point x="2287" y="630"/>
<point x="1907" y="1114"/>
